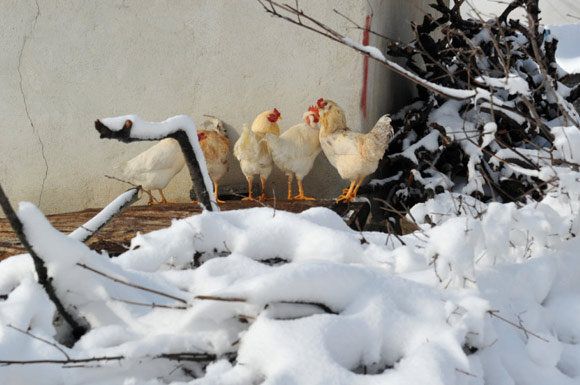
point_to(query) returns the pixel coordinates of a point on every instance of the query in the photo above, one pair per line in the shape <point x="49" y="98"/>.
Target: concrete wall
<point x="65" y="63"/>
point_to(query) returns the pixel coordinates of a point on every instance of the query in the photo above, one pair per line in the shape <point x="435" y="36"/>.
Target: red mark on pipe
<point x="366" y="40"/>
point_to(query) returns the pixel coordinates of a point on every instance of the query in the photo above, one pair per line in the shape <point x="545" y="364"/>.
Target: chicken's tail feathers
<point x="213" y="123"/>
<point x="123" y="170"/>
<point x="380" y="136"/>
<point x="246" y="139"/>
<point x="383" y="130"/>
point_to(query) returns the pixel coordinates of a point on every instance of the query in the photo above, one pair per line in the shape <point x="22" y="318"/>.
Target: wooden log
<point x="115" y="238"/>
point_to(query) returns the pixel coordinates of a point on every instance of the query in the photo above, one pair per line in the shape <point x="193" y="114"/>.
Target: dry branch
<point x="185" y="356"/>
<point x="493" y="313"/>
<point x="131" y="284"/>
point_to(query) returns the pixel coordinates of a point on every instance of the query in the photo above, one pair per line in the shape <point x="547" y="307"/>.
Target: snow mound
<point x="482" y="293"/>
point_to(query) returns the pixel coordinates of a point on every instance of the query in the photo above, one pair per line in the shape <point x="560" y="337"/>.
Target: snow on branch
<point x="21" y="225"/>
<point x="131" y="128"/>
<point x="106" y="215"/>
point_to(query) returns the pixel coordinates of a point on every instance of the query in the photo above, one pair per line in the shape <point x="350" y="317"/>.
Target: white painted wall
<point x="65" y="63"/>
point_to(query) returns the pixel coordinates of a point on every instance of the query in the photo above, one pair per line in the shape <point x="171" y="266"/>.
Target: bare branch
<point x="131" y="284"/>
<point x="40" y="339"/>
<point x="493" y="313"/>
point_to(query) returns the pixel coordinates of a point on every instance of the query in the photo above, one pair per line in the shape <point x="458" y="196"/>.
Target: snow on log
<point x="123" y="201"/>
<point x="131" y="128"/>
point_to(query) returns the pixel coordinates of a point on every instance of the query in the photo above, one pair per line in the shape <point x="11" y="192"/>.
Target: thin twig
<point x="61" y="362"/>
<point x="152" y="305"/>
<point x="131" y="284"/>
<point x="215" y="298"/>
<point x="493" y="313"/>
<point x="40" y="339"/>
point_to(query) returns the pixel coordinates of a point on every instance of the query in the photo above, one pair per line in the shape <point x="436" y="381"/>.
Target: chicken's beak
<point x="279" y="117"/>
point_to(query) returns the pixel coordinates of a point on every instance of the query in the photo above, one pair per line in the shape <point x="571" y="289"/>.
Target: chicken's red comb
<point x="319" y="103"/>
<point x="276" y="112"/>
<point x="313" y="109"/>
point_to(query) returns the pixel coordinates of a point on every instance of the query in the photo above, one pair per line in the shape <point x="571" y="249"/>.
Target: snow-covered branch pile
<point x="503" y="144"/>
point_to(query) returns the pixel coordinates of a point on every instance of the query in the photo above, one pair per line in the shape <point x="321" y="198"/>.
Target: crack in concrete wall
<point x="25" y="101"/>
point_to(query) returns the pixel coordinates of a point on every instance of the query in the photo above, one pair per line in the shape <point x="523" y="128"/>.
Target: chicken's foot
<point x="263" y="197"/>
<point x="348" y="197"/>
<point x="301" y="195"/>
<point x="151" y="202"/>
<point x="215" y="192"/>
<point x="250" y="196"/>
<point x="163" y="200"/>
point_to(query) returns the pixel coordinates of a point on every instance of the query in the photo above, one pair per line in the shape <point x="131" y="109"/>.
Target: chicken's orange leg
<point x="250" y="196"/>
<point x="215" y="193"/>
<point x="263" y="196"/>
<point x="163" y="200"/>
<point x="289" y="178"/>
<point x="151" y="202"/>
<point x="357" y="186"/>
<point x="301" y="195"/>
<point x="348" y="197"/>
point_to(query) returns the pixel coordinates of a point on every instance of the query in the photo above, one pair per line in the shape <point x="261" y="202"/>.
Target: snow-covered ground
<point x="482" y="294"/>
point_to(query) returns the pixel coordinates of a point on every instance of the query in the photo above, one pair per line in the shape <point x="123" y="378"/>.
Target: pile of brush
<point x="492" y="146"/>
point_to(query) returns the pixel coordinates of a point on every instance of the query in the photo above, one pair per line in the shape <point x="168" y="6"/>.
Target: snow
<point x="513" y="83"/>
<point x="482" y="293"/>
<point x="88" y="229"/>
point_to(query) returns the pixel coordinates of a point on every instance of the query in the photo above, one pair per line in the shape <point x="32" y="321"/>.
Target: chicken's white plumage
<point x="253" y="156"/>
<point x="154" y="168"/>
<point x="295" y="150"/>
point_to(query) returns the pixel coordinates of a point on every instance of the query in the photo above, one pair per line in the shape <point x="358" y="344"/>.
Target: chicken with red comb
<point x="353" y="154"/>
<point x="253" y="153"/>
<point x="296" y="149"/>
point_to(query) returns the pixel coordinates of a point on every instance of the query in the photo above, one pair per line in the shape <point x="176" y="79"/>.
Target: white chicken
<point x="252" y="152"/>
<point x="154" y="168"/>
<point x="296" y="149"/>
<point x="353" y="154"/>
<point x="215" y="145"/>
